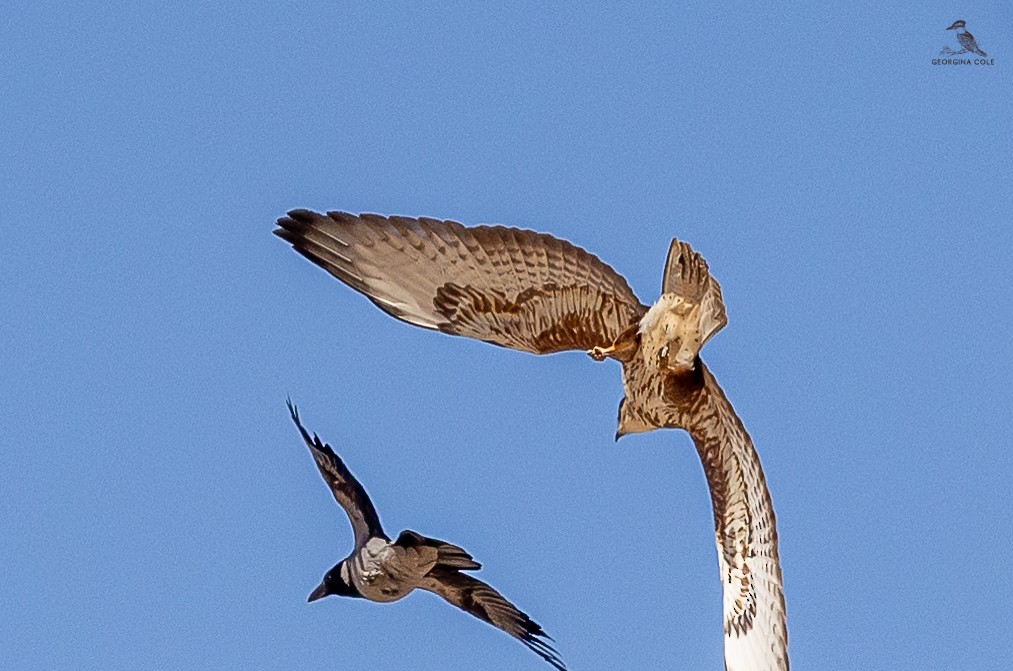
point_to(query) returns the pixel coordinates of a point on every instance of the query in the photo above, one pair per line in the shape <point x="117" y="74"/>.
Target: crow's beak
<point x="319" y="593"/>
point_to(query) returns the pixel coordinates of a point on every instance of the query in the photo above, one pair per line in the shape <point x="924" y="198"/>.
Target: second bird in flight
<point x="382" y="570"/>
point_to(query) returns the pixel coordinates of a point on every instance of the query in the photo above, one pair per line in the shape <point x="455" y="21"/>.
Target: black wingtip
<point x="536" y="640"/>
<point x="536" y="644"/>
<point x="291" y="228"/>
<point x="300" y="217"/>
<point x="293" y="412"/>
<point x="312" y="441"/>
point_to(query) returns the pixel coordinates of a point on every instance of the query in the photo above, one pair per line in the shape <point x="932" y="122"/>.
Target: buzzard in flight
<point x="533" y="292"/>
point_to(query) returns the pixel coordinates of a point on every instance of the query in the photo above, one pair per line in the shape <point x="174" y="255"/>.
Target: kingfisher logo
<point x="968" y="45"/>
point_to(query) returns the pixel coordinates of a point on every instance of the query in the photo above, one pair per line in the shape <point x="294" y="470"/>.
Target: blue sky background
<point x="157" y="508"/>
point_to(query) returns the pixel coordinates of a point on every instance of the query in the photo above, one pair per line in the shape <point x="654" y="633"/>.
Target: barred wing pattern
<point x="510" y="287"/>
<point x="756" y="635"/>
<point x="479" y="599"/>
<point x="346" y="489"/>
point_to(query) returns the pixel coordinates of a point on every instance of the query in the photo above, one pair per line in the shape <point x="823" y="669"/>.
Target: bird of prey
<point x="966" y="39"/>
<point x="533" y="292"/>
<point x="382" y="570"/>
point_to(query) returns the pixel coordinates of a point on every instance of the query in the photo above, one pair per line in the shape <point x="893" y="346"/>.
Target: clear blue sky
<point x="157" y="508"/>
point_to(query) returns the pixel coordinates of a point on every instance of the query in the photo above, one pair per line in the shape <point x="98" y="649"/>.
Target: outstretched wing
<point x="756" y="635"/>
<point x="346" y="489"/>
<point x="510" y="287"/>
<point x="485" y="603"/>
<point x="686" y="275"/>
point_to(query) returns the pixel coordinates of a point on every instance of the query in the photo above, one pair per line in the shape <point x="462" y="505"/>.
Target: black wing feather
<point x="346" y="489"/>
<point x="479" y="599"/>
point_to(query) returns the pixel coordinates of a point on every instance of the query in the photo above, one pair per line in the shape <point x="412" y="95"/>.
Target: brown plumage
<point x="518" y="289"/>
<point x="533" y="292"/>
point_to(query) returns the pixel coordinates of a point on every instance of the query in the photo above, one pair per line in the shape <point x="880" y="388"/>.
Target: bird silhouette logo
<point x="965" y="39"/>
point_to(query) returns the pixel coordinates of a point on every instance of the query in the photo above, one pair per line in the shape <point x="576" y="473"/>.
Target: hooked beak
<point x="319" y="593"/>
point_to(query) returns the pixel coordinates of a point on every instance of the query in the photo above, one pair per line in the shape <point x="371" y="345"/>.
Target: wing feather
<point x="510" y="287"/>
<point x="479" y="599"/>
<point x="756" y="635"/>
<point x="346" y="489"/>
